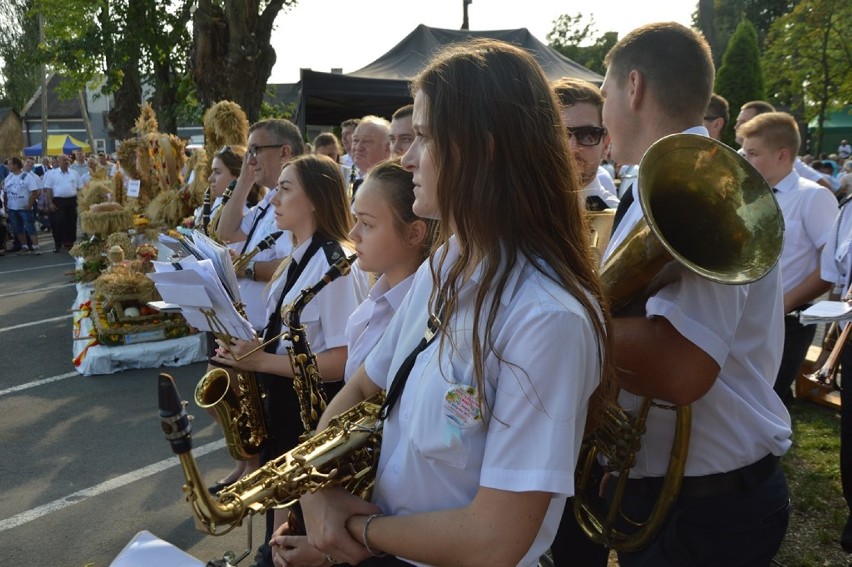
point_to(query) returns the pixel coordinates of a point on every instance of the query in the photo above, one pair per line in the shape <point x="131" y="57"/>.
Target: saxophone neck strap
<point x="433" y="325"/>
<point x="295" y="269"/>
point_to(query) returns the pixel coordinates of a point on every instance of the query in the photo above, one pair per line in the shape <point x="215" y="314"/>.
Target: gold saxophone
<point x="239" y="412"/>
<point x="344" y="454"/>
<point x="708" y="209"/>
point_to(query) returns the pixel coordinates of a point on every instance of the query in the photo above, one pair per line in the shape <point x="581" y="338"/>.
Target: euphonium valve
<point x="706" y="208"/>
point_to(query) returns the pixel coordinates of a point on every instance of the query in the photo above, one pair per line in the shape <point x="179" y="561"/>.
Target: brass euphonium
<point x="706" y="208"/>
<point x="344" y="454"/>
<point x="239" y="411"/>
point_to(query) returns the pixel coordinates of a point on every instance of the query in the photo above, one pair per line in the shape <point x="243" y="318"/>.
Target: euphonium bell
<point x="706" y="208"/>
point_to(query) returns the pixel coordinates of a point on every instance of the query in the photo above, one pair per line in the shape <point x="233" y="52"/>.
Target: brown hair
<point x="718" y="108"/>
<point x="323" y="184"/>
<point x="676" y="62"/>
<point x="397" y="189"/>
<point x="758" y="106"/>
<point x="500" y="152"/>
<point x="403" y="112"/>
<point x="328" y="139"/>
<point x="571" y="91"/>
<point x="778" y="130"/>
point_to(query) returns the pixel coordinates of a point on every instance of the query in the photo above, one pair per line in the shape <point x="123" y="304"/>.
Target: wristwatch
<point x="250" y="271"/>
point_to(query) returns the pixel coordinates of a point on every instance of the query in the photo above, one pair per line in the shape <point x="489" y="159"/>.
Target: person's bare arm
<point x="654" y="360"/>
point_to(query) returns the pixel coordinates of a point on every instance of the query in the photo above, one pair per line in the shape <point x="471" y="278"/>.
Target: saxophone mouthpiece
<point x="174" y="420"/>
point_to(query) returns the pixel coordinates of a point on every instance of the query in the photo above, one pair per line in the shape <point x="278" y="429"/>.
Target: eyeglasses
<point x="586" y="135"/>
<point x="253" y="150"/>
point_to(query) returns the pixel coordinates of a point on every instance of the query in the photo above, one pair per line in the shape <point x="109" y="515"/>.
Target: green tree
<point x="231" y="56"/>
<point x="740" y="78"/>
<point x="808" y="59"/>
<point x="19" y="77"/>
<point x="577" y="39"/>
<point x="121" y="41"/>
<point x="717" y="19"/>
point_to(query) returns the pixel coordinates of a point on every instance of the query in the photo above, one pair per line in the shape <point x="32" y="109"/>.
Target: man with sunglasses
<point x="581" y="115"/>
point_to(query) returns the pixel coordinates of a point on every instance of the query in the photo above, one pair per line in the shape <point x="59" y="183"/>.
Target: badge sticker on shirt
<point x="461" y="408"/>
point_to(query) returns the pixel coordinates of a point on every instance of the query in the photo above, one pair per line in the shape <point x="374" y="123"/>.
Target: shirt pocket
<point x="433" y="434"/>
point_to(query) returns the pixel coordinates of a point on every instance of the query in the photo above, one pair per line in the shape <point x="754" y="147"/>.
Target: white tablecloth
<point x="90" y="358"/>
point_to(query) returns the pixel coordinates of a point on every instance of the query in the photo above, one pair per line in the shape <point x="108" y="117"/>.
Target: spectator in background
<point x="756" y="107"/>
<point x="103" y="160"/>
<point x="845" y="188"/>
<point x="22" y="190"/>
<point x="717" y="116"/>
<point x="61" y="186"/>
<point x="347" y="129"/>
<point x="79" y="165"/>
<point x="370" y="145"/>
<point x="844" y="150"/>
<point x="327" y="144"/>
<point x="771" y="142"/>
<point x="401" y="132"/>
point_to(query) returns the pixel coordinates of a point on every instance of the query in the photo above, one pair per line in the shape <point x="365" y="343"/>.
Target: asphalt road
<point x="84" y="465"/>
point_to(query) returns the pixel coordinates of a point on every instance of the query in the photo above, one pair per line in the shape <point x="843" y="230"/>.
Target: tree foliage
<point x="718" y="19"/>
<point x="18" y="46"/>
<point x="740" y="78"/>
<point x="808" y="59"/>
<point x="120" y="41"/>
<point x="576" y="38"/>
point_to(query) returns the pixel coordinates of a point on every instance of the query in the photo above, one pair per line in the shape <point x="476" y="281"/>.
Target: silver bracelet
<point x="364" y="536"/>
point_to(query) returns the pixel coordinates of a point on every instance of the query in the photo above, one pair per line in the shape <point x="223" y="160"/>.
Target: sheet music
<point x="826" y="312"/>
<point x="195" y="286"/>
<point x="221" y="257"/>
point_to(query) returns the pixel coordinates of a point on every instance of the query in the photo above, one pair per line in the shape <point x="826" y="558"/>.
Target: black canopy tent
<point x="383" y="86"/>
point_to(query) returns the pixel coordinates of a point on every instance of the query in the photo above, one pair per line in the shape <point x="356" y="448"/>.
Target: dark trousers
<point x="797" y="340"/>
<point x="64" y="221"/>
<point x="739" y="529"/>
<point x="846" y="425"/>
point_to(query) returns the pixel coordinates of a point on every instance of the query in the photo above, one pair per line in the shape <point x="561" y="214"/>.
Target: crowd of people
<point x="41" y="196"/>
<point x="476" y="304"/>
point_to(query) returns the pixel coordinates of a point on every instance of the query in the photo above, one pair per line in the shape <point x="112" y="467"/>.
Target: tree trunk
<point x="232" y="57"/>
<point x="707" y="25"/>
<point x="127" y="98"/>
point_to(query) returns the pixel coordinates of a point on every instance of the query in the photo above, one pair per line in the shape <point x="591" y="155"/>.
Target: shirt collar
<point x="476" y="277"/>
<point x="789" y="183"/>
<point x="394" y="295"/>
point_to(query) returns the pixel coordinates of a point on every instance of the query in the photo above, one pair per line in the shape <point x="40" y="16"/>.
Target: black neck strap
<point x="433" y="325"/>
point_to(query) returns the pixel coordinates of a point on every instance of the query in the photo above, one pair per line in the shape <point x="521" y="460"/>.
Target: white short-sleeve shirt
<point x="253" y="292"/>
<point x="809" y="211"/>
<point x="369" y="321"/>
<point x="836" y="261"/>
<point x="539" y="376"/>
<point x="740" y="419"/>
<point x="326" y="315"/>
<point x="63" y="183"/>
<point x="18" y="188"/>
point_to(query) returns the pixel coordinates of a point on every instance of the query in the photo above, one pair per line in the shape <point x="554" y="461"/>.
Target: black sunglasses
<point x="586" y="135"/>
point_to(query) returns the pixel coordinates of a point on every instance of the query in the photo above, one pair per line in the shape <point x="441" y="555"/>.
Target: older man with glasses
<point x="271" y="144"/>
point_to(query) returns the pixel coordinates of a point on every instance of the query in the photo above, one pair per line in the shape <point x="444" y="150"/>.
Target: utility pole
<point x="43" y="89"/>
<point x="465" y="23"/>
